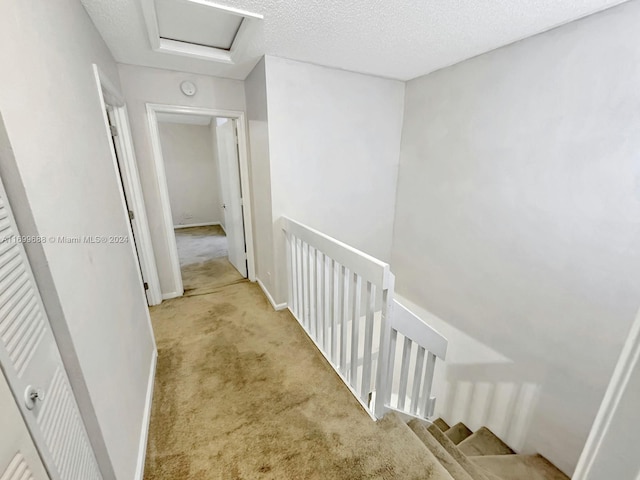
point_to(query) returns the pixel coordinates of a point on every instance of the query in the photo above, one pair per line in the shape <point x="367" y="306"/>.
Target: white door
<point x="19" y="459"/>
<point x="231" y="193"/>
<point x="32" y="365"/>
<point x="126" y="195"/>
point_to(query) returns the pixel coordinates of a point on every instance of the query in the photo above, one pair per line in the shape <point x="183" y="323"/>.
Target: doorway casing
<point x="152" y="114"/>
<point x="110" y="97"/>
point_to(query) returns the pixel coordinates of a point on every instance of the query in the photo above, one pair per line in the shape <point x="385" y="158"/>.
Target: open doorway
<point x="201" y="161"/>
<point x="202" y="170"/>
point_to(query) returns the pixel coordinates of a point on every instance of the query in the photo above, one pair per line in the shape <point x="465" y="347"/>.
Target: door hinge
<point x="131" y="215"/>
<point x="241" y="202"/>
<point x="146" y="286"/>
<point x="114" y="130"/>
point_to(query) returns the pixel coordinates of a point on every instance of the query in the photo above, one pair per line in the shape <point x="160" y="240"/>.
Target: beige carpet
<point x="203" y="259"/>
<point x="241" y="393"/>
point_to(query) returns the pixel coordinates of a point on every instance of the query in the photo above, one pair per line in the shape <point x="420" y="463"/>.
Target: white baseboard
<point x="146" y="419"/>
<point x="276" y="306"/>
<point x="205" y="224"/>
<point x="170" y="295"/>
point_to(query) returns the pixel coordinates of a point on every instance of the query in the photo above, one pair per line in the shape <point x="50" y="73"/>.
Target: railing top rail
<point x="410" y="325"/>
<point x="370" y="268"/>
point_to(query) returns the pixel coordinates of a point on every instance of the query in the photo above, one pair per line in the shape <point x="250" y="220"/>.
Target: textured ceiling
<point x="400" y="39"/>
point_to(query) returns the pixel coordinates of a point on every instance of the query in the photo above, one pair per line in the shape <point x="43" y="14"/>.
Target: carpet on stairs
<point x="481" y="455"/>
<point x="442" y="455"/>
<point x="484" y="442"/>
<point x="519" y="467"/>
<point x="458" y="433"/>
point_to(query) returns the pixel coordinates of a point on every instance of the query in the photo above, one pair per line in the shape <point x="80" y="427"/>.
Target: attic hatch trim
<point x="194" y="50"/>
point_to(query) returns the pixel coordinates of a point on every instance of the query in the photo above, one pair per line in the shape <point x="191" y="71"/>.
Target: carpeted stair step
<point x="441" y="424"/>
<point x="411" y="449"/>
<point x="444" y="457"/>
<point x="484" y="442"/>
<point x="458" y="433"/>
<point x="471" y="468"/>
<point x="519" y="467"/>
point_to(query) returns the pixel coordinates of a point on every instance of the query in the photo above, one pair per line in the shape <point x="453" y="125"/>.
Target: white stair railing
<point x="342" y="298"/>
<point x="414" y="347"/>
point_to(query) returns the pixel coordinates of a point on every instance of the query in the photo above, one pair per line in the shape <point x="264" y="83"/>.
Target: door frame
<point x="152" y="115"/>
<point x="627" y="366"/>
<point x="110" y="97"/>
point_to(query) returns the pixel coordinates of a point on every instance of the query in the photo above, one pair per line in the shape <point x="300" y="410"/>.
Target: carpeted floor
<point x="242" y="393"/>
<point x="203" y="259"/>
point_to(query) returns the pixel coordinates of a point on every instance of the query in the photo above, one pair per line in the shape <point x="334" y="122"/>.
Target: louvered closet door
<point x="19" y="459"/>
<point x="33" y="367"/>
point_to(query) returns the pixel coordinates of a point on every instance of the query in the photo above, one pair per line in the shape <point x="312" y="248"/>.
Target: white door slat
<point x="12" y="320"/>
<point x="17" y="469"/>
<point x="12" y="295"/>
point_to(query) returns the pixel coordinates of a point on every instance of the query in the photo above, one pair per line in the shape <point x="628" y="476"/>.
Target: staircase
<point x="480" y="455"/>
<point x="386" y="356"/>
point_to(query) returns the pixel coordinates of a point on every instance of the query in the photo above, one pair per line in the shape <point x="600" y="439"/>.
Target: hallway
<point x="242" y="393"/>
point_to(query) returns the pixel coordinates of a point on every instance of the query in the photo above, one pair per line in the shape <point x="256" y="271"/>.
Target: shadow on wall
<point x="501" y="396"/>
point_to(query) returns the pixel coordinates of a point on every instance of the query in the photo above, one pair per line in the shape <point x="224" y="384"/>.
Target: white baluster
<point x="426" y="387"/>
<point x="344" y="320"/>
<point x="355" y="330"/>
<point x="337" y="292"/>
<point x="320" y="299"/>
<point x="311" y="261"/>
<point x="417" y="378"/>
<point x="368" y="339"/>
<point x="327" y="302"/>
<point x="404" y="372"/>
<point x="300" y="303"/>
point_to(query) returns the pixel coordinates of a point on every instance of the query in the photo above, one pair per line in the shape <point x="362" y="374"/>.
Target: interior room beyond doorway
<point x="202" y="171"/>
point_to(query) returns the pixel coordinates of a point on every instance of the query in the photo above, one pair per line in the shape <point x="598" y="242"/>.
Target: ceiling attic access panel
<point x="199" y="29"/>
<point x="197" y="23"/>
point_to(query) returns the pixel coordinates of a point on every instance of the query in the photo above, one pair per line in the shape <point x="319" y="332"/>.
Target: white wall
<point x="192" y="173"/>
<point x="334" y="138"/>
<point x="258" y="135"/>
<point x="143" y="85"/>
<point x="63" y="182"/>
<point x="518" y="206"/>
